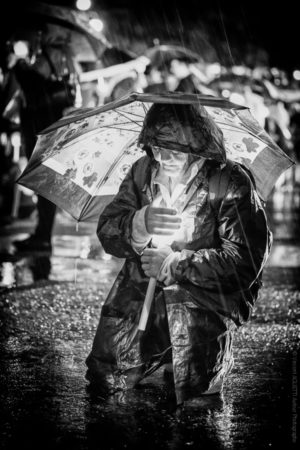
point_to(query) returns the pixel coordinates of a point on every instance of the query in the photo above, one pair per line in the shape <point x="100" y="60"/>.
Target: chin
<point x="171" y="172"/>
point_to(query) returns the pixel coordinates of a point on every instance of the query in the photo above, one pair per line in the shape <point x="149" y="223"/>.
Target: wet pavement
<point x="49" y="310"/>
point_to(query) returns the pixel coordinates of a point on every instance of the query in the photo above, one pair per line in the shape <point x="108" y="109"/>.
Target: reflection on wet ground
<point x="47" y="332"/>
<point x="49" y="310"/>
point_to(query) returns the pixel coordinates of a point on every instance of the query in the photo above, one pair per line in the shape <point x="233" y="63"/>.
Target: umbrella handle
<point x="147" y="304"/>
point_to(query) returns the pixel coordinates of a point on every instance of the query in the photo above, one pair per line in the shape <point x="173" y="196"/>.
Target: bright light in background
<point x="8" y="274"/>
<point x="97" y="24"/>
<point x="21" y="48"/>
<point x="275" y="72"/>
<point x="238" y="70"/>
<point x="16" y="143"/>
<point x="296" y="75"/>
<point x="83" y="5"/>
<point x="237" y="98"/>
<point x="16" y="139"/>
<point x="213" y="70"/>
<point x="226" y="93"/>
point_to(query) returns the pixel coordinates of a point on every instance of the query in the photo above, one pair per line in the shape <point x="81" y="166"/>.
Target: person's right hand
<point x="161" y="221"/>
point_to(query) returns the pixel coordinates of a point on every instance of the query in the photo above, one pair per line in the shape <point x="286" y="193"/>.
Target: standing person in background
<point x="48" y="82"/>
<point x="156" y="82"/>
<point x="181" y="77"/>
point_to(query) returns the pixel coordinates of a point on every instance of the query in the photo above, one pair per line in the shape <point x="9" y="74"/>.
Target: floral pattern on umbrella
<point x="80" y="161"/>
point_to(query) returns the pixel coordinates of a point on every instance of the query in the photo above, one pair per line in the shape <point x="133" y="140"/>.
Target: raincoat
<point x="216" y="282"/>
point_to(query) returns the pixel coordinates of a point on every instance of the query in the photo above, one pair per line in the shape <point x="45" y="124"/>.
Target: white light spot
<point x="21" y="49"/>
<point x="237" y="98"/>
<point x="83" y="5"/>
<point x="226" y="93"/>
<point x="296" y="75"/>
<point x="97" y="24"/>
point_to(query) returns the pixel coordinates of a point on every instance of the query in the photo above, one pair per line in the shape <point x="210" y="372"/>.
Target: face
<point x="172" y="162"/>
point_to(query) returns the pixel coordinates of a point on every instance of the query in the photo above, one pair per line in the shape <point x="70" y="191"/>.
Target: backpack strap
<point x="218" y="185"/>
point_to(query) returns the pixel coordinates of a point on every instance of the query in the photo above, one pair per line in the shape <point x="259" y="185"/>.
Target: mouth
<point x="169" y="166"/>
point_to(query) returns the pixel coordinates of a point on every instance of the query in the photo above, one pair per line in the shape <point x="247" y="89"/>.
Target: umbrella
<point x="236" y="83"/>
<point x="85" y="156"/>
<point x="161" y="55"/>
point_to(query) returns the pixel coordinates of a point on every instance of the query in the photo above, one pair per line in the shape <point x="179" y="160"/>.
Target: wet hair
<point x="159" y="113"/>
<point x="182" y="127"/>
<point x="147" y="148"/>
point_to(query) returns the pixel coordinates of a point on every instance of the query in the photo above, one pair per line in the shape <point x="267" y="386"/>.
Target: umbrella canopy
<point x="237" y="83"/>
<point x="113" y="55"/>
<point x="161" y="55"/>
<point x="80" y="161"/>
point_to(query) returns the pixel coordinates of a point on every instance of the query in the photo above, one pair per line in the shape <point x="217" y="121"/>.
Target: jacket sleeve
<point x="244" y="242"/>
<point x="115" y="223"/>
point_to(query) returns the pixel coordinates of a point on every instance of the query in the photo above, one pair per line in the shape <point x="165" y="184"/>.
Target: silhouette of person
<point x="48" y="82"/>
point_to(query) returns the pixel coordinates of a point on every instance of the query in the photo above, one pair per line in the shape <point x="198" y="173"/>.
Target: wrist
<point x="139" y="234"/>
<point x="168" y="268"/>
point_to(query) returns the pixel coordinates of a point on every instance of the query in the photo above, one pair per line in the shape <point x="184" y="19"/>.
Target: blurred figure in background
<point x="181" y="77"/>
<point x="127" y="83"/>
<point x="49" y="84"/>
<point x="177" y="74"/>
<point x="155" y="81"/>
<point x="9" y="126"/>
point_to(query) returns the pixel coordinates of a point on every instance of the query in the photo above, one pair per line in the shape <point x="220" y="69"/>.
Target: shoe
<point x="33" y="244"/>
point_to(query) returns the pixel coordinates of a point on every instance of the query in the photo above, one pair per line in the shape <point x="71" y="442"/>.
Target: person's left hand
<point x="152" y="260"/>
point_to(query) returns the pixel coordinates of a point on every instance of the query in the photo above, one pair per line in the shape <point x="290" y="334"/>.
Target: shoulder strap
<point x="218" y="184"/>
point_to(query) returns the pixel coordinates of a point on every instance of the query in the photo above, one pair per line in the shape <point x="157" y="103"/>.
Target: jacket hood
<point x="185" y="128"/>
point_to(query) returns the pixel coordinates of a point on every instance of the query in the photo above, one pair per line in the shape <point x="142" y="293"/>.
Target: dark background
<point x="227" y="31"/>
<point x="270" y="25"/>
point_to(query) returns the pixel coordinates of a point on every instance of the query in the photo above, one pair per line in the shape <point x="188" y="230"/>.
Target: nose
<point x="166" y="156"/>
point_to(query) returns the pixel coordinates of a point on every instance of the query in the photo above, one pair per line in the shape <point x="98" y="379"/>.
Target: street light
<point x="296" y="75"/>
<point x="21" y="49"/>
<point x="83" y="5"/>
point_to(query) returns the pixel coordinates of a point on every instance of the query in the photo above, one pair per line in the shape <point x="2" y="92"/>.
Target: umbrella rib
<point x="131" y="120"/>
<point x="131" y="113"/>
<point x="144" y="107"/>
<point x="235" y="127"/>
<point x="242" y="130"/>
<point x="118" y="158"/>
<point x="100" y="182"/>
<point x="121" y="129"/>
<point x="83" y="137"/>
<point x="121" y="123"/>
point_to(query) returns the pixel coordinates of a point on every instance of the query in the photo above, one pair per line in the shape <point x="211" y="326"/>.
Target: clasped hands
<point x="159" y="221"/>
